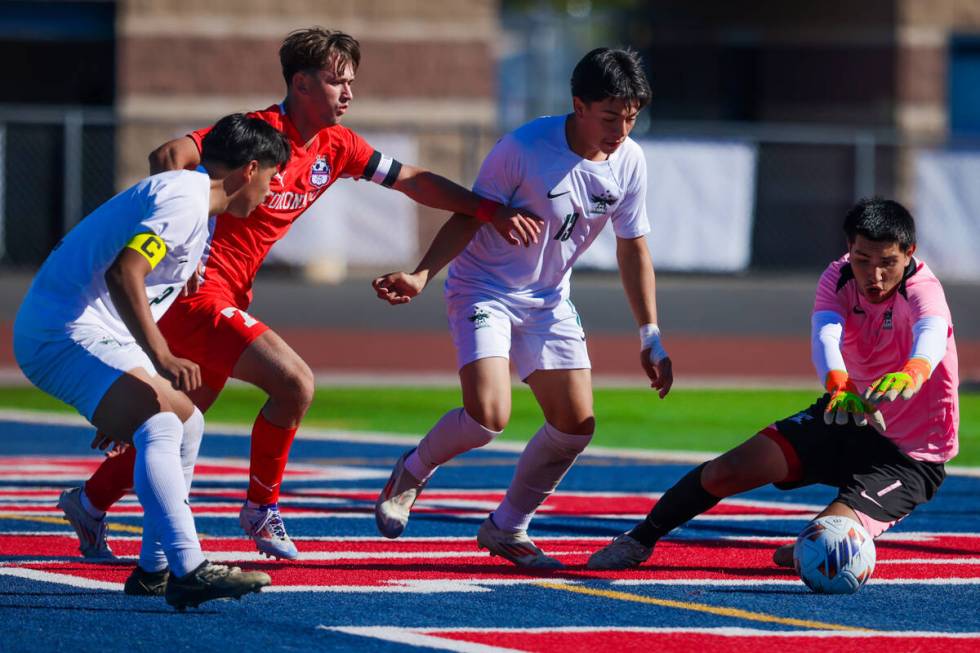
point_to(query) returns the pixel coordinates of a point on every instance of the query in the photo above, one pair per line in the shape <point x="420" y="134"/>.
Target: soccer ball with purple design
<point x="834" y="555"/>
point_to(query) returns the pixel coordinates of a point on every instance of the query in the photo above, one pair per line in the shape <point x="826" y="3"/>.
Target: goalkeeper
<point x="883" y="347"/>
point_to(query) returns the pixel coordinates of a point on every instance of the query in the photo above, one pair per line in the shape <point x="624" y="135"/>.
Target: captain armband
<point x="150" y="246"/>
<point x="382" y="169"/>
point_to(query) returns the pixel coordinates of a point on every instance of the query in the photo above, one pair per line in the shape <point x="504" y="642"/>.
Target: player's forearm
<point x="178" y="154"/>
<point x="826" y="330"/>
<point x="126" y="281"/>
<point x="436" y="191"/>
<point x="451" y="239"/>
<point x="638" y="277"/>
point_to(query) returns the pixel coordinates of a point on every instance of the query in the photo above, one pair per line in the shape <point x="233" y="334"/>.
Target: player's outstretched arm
<point x="126" y="281"/>
<point x="402" y="287"/>
<point x="640" y="285"/>
<point x="516" y="226"/>
<point x="178" y="154"/>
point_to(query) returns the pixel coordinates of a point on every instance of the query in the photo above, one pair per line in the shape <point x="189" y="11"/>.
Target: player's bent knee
<point x="491" y="416"/>
<point x="584" y="426"/>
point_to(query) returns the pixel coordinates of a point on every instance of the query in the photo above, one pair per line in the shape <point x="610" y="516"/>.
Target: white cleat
<point x="622" y="553"/>
<point x="516" y="547"/>
<point x="394" y="504"/>
<point x="783" y="556"/>
<point x="91" y="531"/>
<point x="264" y="525"/>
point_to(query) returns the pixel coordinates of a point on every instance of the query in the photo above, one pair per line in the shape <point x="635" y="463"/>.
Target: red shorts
<point x="211" y="331"/>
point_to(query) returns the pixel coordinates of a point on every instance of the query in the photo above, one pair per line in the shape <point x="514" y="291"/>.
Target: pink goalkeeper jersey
<point x="878" y="339"/>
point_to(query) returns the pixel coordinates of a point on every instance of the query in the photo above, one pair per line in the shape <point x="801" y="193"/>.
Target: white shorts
<point x="535" y="339"/>
<point x="78" y="368"/>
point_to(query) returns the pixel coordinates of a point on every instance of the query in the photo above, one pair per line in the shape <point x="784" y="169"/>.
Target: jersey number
<point x="566" y="229"/>
<point x="162" y="296"/>
<point x="246" y="318"/>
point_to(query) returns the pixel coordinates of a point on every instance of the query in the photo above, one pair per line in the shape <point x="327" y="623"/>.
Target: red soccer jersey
<point x="239" y="245"/>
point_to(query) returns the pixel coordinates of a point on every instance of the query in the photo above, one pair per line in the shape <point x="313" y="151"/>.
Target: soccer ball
<point x="834" y="555"/>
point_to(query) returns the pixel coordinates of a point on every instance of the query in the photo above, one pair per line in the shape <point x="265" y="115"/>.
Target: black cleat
<point x="209" y="582"/>
<point x="147" y="583"/>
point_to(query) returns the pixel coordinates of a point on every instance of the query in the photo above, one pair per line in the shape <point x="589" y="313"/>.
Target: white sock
<point x="542" y="465"/>
<point x="455" y="433"/>
<point x="190" y="445"/>
<point x="152" y="557"/>
<point x="159" y="483"/>
<point x="92" y="511"/>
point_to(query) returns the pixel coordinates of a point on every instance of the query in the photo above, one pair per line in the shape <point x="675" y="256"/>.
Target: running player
<point x="883" y="347"/>
<point x="87" y="334"/>
<point x="578" y="172"/>
<point x="211" y="326"/>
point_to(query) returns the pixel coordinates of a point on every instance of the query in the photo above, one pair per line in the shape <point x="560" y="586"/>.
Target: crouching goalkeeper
<point x="883" y="347"/>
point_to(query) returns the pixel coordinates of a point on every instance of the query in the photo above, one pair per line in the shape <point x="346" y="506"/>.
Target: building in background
<point x="828" y="100"/>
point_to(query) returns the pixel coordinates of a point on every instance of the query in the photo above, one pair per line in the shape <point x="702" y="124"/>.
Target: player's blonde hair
<point x="314" y="48"/>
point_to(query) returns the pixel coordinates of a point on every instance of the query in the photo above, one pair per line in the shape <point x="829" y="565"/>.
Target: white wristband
<point x="650" y="339"/>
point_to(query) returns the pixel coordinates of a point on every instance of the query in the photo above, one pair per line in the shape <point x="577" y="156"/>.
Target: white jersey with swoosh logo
<point x="533" y="168"/>
<point x="69" y="292"/>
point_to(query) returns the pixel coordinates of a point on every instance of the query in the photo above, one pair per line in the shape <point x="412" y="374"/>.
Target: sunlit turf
<point x="688" y="420"/>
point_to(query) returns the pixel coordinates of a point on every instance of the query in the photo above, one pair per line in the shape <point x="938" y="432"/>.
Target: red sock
<point x="112" y="480"/>
<point x="270" y="449"/>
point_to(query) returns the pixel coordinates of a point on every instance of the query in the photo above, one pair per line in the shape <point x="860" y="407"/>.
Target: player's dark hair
<point x="607" y="73"/>
<point x="313" y="48"/>
<point x="880" y="220"/>
<point x="237" y="139"/>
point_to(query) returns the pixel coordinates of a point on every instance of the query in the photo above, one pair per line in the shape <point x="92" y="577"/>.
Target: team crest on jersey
<point x="320" y="172"/>
<point x="480" y="318"/>
<point x="601" y="203"/>
<point x="887" y="324"/>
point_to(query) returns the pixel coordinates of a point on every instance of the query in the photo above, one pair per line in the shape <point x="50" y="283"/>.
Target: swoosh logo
<point x="865" y="495"/>
<point x="551" y="197"/>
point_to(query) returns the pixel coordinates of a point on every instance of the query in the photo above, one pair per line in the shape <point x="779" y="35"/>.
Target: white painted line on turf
<point x="731" y="582"/>
<point x="405" y="636"/>
<point x="61" y="579"/>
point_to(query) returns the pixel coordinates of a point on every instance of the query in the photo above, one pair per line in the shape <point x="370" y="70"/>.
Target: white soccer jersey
<point x="533" y="168"/>
<point x="69" y="292"/>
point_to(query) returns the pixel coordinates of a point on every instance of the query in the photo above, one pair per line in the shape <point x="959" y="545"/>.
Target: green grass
<point x="691" y="420"/>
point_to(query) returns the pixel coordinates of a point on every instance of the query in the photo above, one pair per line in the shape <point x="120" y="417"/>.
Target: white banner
<point x="947" y="212"/>
<point x="357" y="222"/>
<point x="700" y="200"/>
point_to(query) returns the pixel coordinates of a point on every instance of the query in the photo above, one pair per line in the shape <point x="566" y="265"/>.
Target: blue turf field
<point x="433" y="589"/>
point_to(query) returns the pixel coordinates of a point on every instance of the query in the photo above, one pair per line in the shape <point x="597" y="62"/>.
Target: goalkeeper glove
<point x="905" y="382"/>
<point x="845" y="400"/>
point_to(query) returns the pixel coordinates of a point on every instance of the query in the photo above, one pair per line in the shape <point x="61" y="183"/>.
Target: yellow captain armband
<point x="150" y="246"/>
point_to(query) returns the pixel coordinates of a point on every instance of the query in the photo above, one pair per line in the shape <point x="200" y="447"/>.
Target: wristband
<point x="650" y="339"/>
<point x="485" y="210"/>
<point x="836" y="380"/>
<point x="919" y="369"/>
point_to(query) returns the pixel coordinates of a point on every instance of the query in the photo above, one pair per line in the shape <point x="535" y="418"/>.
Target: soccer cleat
<point x="146" y="583"/>
<point x="209" y="582"/>
<point x="91" y="531"/>
<point x="622" y="553"/>
<point x="516" y="547"/>
<point x="394" y="504"/>
<point x="783" y="556"/>
<point x="264" y="525"/>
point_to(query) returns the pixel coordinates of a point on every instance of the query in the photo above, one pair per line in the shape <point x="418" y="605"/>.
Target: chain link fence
<point x="58" y="165"/>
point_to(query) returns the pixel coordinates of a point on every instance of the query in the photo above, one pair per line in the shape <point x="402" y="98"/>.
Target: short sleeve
<point x="630" y="217"/>
<point x="198" y="136"/>
<point x="174" y="210"/>
<point x="828" y="298"/>
<point x="358" y="154"/>
<point x="926" y="298"/>
<point x="501" y="172"/>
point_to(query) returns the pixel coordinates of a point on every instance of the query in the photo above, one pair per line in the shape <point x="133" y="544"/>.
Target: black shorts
<point x="873" y="476"/>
